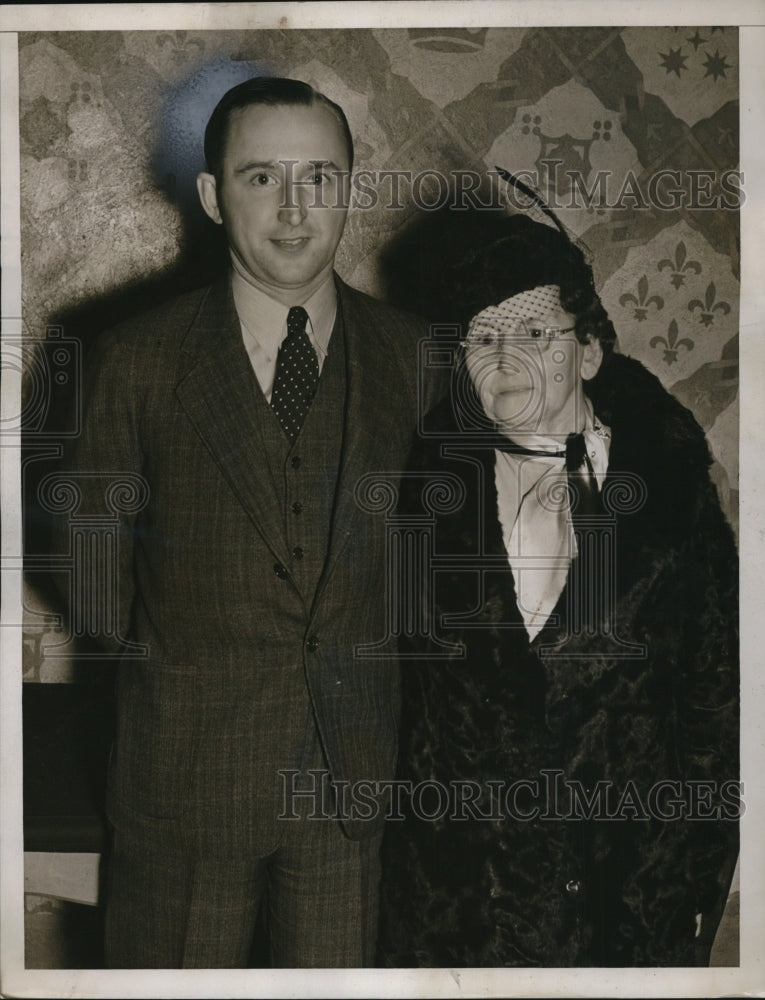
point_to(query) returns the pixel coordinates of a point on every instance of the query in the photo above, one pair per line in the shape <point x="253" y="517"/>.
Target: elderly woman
<point x="570" y="719"/>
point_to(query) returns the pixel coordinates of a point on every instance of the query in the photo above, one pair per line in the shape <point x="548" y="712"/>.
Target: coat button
<point x="297" y="552"/>
<point x="297" y="507"/>
<point x="313" y="644"/>
<point x="295" y="462"/>
<point x="280" y="571"/>
<point x="573" y="885"/>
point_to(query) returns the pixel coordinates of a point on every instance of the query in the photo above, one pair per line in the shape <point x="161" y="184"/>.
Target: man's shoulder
<point x="150" y="344"/>
<point x="167" y="321"/>
<point x="387" y="336"/>
<point x="358" y="305"/>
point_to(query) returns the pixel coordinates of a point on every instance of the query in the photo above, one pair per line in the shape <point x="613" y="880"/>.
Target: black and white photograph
<point x="381" y="542"/>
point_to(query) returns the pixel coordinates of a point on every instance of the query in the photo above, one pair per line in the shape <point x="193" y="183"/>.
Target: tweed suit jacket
<point x="239" y="661"/>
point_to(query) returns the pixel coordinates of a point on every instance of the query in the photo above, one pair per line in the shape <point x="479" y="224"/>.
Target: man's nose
<point x="294" y="206"/>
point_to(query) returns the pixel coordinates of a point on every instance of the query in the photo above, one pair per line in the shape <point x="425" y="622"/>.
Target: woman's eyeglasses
<point x="484" y="337"/>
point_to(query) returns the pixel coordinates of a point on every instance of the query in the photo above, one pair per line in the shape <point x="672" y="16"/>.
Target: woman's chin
<point x="512" y="411"/>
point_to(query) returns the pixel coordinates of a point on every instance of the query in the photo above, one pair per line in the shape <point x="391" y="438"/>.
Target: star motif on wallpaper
<point x="653" y="130"/>
<point x="673" y="61"/>
<point x="725" y="137"/>
<point x="716" y="65"/>
<point x="696" y="40"/>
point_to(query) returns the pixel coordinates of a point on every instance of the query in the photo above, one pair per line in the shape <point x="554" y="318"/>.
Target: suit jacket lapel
<point x="369" y="416"/>
<point x="220" y="394"/>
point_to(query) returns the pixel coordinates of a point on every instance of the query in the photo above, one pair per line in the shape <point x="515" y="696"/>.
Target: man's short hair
<point x="268" y="90"/>
<point x="518" y="255"/>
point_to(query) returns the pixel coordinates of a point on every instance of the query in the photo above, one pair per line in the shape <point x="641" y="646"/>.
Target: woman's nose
<point x="506" y="355"/>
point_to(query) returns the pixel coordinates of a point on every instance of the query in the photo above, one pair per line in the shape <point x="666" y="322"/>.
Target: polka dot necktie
<point x="297" y="375"/>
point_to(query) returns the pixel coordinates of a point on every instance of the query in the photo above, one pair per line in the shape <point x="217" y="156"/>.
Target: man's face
<point x="528" y="380"/>
<point x="279" y="183"/>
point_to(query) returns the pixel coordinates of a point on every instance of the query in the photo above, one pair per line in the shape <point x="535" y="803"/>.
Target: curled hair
<point x="268" y="90"/>
<point x="519" y="255"/>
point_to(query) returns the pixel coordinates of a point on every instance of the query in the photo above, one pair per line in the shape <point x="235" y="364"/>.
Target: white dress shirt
<point x="535" y="518"/>
<point x="264" y="325"/>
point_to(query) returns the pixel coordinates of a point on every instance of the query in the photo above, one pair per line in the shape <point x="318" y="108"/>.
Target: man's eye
<point x="318" y="179"/>
<point x="262" y="180"/>
<point x="536" y="332"/>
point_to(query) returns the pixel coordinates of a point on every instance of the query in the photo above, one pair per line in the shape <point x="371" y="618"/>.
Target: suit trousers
<point x="169" y="908"/>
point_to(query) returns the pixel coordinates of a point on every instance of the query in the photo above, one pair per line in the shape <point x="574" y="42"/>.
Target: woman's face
<point x="526" y="365"/>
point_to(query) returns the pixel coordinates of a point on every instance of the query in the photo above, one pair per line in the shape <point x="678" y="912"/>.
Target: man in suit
<point x="251" y="575"/>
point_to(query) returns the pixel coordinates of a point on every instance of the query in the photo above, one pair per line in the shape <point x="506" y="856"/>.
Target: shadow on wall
<point x="202" y="257"/>
<point x="414" y="262"/>
<point x="175" y="161"/>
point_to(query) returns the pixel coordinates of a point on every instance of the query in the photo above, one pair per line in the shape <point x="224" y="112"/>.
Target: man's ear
<point x="208" y="195"/>
<point x="592" y="358"/>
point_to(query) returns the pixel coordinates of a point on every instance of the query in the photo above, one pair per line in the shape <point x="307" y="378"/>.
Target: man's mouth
<point x="292" y="244"/>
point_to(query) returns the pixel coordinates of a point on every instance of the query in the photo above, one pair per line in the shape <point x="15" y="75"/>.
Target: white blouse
<point x="535" y="517"/>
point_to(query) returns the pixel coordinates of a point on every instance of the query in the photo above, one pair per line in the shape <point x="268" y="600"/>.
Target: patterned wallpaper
<point x="632" y="132"/>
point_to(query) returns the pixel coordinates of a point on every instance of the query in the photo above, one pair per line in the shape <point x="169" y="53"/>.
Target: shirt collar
<point x="523" y="472"/>
<point x="265" y="319"/>
<point x="541" y="442"/>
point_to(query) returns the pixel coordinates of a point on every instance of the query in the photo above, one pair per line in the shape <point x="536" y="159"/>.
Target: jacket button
<point x="295" y="462"/>
<point x="297" y="552"/>
<point x="313" y="644"/>
<point x="280" y="571"/>
<point x="573" y="885"/>
<point x="297" y="507"/>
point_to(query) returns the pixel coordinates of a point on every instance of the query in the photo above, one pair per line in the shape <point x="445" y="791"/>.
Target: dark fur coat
<point x="505" y="891"/>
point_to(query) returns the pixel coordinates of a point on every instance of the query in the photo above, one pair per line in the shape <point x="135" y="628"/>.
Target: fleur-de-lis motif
<point x="671" y="344"/>
<point x="680" y="265"/>
<point x="181" y="45"/>
<point x="642" y="302"/>
<point x="709" y="307"/>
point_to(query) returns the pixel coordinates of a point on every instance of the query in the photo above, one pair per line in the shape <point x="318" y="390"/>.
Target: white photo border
<point x="749" y="978"/>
